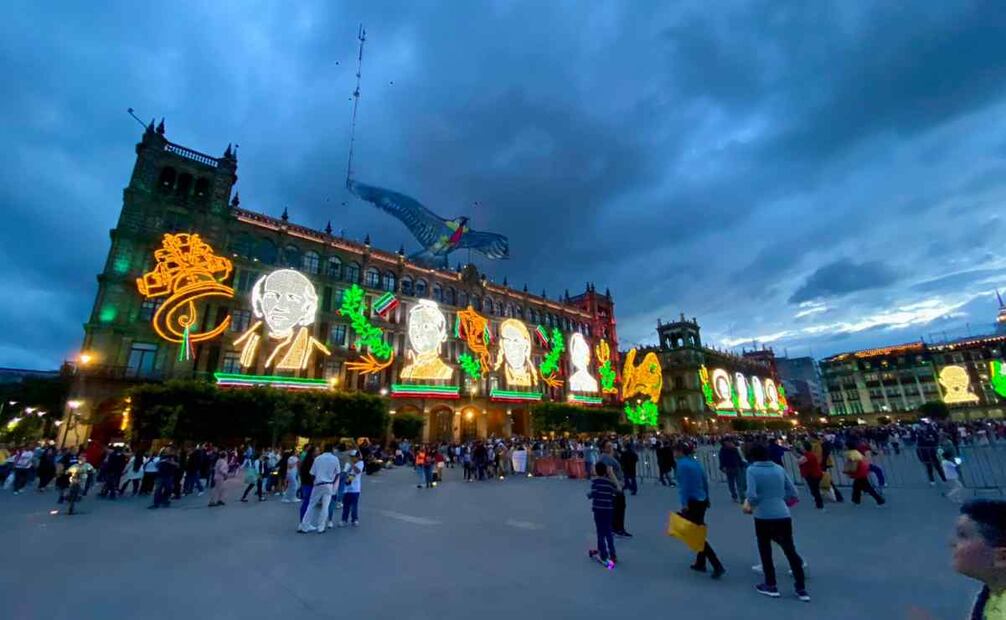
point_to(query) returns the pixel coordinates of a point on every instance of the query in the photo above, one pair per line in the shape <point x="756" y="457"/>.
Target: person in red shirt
<point x="810" y="470"/>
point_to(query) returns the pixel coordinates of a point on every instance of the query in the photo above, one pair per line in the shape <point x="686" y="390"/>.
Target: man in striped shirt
<point x="603" y="490"/>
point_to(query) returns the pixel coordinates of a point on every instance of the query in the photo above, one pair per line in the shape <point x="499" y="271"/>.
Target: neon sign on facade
<point x="739" y="394"/>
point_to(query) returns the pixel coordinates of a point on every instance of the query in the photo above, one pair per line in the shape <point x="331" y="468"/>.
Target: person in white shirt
<point x="292" y="479"/>
<point x="351" y="500"/>
<point x="325" y="469"/>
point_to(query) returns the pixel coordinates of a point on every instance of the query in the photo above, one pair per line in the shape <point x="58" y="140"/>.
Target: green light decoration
<point x="996" y="377"/>
<point x="751" y="396"/>
<point x="607" y="377"/>
<point x="783" y="403"/>
<point x="471" y="366"/>
<point x="107" y="314"/>
<point x="551" y="362"/>
<point x="367" y="335"/>
<point x="644" y="414"/>
<point x="734" y="398"/>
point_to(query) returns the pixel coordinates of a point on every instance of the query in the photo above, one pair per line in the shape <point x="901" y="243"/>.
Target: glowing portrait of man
<point x="427" y="332"/>
<point x="956" y="385"/>
<point x="759" y="393"/>
<point x="286" y="300"/>
<point x="515" y="349"/>
<point x="772" y="395"/>
<point x="579" y="356"/>
<point x="742" y="391"/>
<point x="721" y="384"/>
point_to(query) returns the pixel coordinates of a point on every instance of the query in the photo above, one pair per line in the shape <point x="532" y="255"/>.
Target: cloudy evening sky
<point x="817" y="176"/>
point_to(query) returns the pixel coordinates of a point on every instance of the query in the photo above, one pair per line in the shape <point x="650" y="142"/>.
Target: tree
<point x="560" y="418"/>
<point x="935" y="410"/>
<point x="407" y="426"/>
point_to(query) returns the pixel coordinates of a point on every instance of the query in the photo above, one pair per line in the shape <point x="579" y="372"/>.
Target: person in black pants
<point x="926" y="451"/>
<point x="629" y="458"/>
<point x="693" y="491"/>
<point x="618" y="518"/>
<point x="665" y="462"/>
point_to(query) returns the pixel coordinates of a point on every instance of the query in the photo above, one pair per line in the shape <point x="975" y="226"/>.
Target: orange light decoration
<point x="473" y="327"/>
<point x="368" y="364"/>
<point x="643" y="379"/>
<point x="187" y="271"/>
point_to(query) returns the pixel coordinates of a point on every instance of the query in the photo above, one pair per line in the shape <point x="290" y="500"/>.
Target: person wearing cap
<point x="351" y="500"/>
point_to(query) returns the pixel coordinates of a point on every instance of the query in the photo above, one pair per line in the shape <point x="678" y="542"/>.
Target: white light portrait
<point x="515" y="349"/>
<point x="742" y="391"/>
<point x="427" y="332"/>
<point x="759" y="393"/>
<point x="579" y="355"/>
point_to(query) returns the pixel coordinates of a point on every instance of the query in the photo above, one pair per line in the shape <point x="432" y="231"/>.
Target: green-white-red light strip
<point x="416" y="390"/>
<point x="227" y="379"/>
<point x="513" y="396"/>
<point x="586" y="400"/>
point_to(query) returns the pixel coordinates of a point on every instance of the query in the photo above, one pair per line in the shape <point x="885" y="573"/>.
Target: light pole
<point x="83" y="360"/>
<point x="72" y="405"/>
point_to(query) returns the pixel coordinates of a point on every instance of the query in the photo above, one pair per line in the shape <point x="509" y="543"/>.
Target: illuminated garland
<point x="996" y="377"/>
<point x="603" y="352"/>
<point x="471" y="366"/>
<point x="707" y="389"/>
<point x="644" y="414"/>
<point x="550" y="365"/>
<point x="783" y="403"/>
<point x="381" y="354"/>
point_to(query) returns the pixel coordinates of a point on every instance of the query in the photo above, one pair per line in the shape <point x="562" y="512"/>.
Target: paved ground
<point x="495" y="550"/>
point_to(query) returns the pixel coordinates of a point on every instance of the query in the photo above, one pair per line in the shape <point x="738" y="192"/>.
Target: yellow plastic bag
<point x="694" y="536"/>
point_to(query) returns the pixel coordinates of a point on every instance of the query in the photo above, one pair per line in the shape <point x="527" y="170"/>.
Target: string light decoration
<point x="381" y="355"/>
<point x="707" y="389"/>
<point x="760" y="397"/>
<point x="126" y="411"/>
<point x="515" y="353"/>
<point x="604" y="368"/>
<point x="956" y="385"/>
<point x="473" y="328"/>
<point x="550" y="365"/>
<point x="584" y="399"/>
<point x="542" y="335"/>
<point x="186" y="272"/>
<point x="427" y="334"/>
<point x="286" y="303"/>
<point x="579" y="357"/>
<point x="415" y="390"/>
<point x="513" y="396"/>
<point x="227" y="379"/>
<point x="997" y="378"/>
<point x="646" y="379"/>
<point x="471" y="366"/>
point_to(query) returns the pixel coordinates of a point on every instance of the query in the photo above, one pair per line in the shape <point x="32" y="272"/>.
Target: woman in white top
<point x="133" y="472"/>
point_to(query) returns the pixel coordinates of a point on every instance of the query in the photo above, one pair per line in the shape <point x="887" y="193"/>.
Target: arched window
<point x="241" y="246"/>
<point x="311" y="263"/>
<point x="420" y="288"/>
<point x="388" y="281"/>
<point x="406" y="285"/>
<point x="202" y="188"/>
<point x="487" y="305"/>
<point x="509" y="310"/>
<point x="333" y="268"/>
<point x="462" y="299"/>
<point x="518" y="312"/>
<point x="351" y="272"/>
<point x="476" y="303"/>
<point x="167" y="179"/>
<point x="499" y="308"/>
<point x="438" y="292"/>
<point x="372" y="278"/>
<point x="450" y="297"/>
<point x="265" y="251"/>
<point x="291" y="256"/>
<point x="184" y="184"/>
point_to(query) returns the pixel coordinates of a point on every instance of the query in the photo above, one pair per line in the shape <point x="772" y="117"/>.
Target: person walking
<point x="604" y="488"/>
<point x="22" y="469"/>
<point x="324" y="469"/>
<point x="693" y="491"/>
<point x="351" y="498"/>
<point x="149" y="475"/>
<point x="732" y="465"/>
<point x="193" y="472"/>
<point x="926" y="451"/>
<point x="166" y="469"/>
<point x="811" y="472"/>
<point x="770" y="492"/>
<point x="306" y="478"/>
<point x="292" y="479"/>
<point x="220" y="474"/>
<point x="629" y="459"/>
<point x="665" y="462"/>
<point x="618" y="516"/>
<point x="133" y="473"/>
<point x="256" y="470"/>
<point x="857" y="467"/>
<point x="114" y="466"/>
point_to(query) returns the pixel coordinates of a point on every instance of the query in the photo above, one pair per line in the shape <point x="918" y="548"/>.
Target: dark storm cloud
<point x="842" y="277"/>
<point x="691" y="160"/>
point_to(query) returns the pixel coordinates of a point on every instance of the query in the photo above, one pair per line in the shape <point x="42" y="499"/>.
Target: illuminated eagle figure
<point x="439" y="237"/>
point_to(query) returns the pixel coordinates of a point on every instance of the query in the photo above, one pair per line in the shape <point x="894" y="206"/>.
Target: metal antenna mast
<point x="362" y="36"/>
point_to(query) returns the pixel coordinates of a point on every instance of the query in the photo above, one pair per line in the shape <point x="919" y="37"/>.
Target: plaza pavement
<point x="486" y="550"/>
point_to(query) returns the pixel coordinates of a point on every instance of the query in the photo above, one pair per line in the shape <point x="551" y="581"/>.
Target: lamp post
<point x="83" y="361"/>
<point x="72" y="406"/>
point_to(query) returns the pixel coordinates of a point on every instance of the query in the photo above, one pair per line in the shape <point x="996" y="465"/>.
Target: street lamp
<point x="85" y="359"/>
<point x="384" y="391"/>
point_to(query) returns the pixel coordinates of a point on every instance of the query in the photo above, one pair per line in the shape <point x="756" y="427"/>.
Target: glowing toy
<point x="427" y="333"/>
<point x="474" y="329"/>
<point x="997" y="378"/>
<point x="579" y="356"/>
<point x="354" y="307"/>
<point x="187" y="271"/>
<point x="603" y="353"/>
<point x="550" y="365"/>
<point x="285" y="300"/>
<point x="438" y="236"/>
<point x="956" y="386"/>
<point x="515" y="351"/>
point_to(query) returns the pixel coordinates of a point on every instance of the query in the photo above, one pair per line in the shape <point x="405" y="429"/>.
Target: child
<point x="602" y="491"/>
<point x="979" y="552"/>
<point x="953" y="476"/>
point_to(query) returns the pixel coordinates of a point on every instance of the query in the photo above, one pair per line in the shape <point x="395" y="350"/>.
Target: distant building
<point x="804" y="388"/>
<point x="18" y="375"/>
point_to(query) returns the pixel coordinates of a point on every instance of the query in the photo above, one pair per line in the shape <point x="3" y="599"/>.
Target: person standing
<point x="193" y="471"/>
<point x="665" y="462"/>
<point x="732" y="465"/>
<point x="979" y="552"/>
<point x="629" y="459"/>
<point x="811" y="472"/>
<point x="292" y="478"/>
<point x="693" y="491"/>
<point x="925" y="450"/>
<point x="351" y="498"/>
<point x="149" y="475"/>
<point x="22" y="469"/>
<point x="611" y="463"/>
<point x="324" y="470"/>
<point x="166" y="469"/>
<point x="770" y="492"/>
<point x="603" y="490"/>
<point x="220" y="474"/>
<point x="114" y="465"/>
<point x="46" y="468"/>
<point x="133" y="473"/>
<point x="306" y="478"/>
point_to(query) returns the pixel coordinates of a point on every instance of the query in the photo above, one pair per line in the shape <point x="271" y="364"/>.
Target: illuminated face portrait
<point x="579" y="355"/>
<point x="427" y="327"/>
<point x="285" y="299"/>
<point x="721" y="383"/>
<point x="742" y="390"/>
<point x="759" y="393"/>
<point x="956" y="385"/>
<point x="515" y="350"/>
<point x="771" y="394"/>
